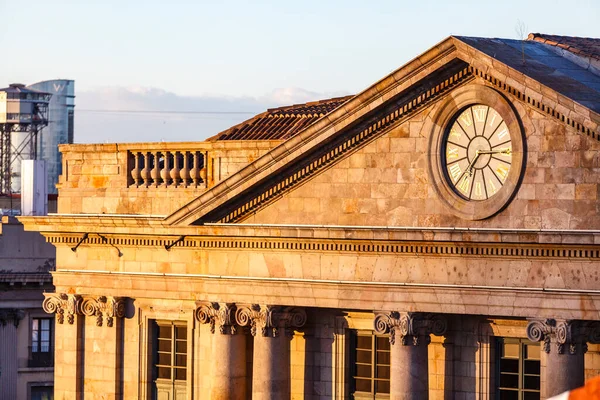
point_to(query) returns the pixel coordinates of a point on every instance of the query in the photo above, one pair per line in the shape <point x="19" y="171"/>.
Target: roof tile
<point x="282" y="122"/>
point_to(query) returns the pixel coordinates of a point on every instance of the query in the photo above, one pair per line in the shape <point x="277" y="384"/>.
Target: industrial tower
<point x="23" y="114"/>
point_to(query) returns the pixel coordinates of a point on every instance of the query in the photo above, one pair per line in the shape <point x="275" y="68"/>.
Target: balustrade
<point x="168" y="168"/>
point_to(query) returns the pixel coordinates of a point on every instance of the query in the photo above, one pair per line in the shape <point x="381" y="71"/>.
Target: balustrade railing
<point x="168" y="168"/>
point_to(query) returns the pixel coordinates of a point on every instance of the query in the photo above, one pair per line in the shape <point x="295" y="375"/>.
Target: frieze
<point x="566" y="335"/>
<point x="218" y="314"/>
<point x="411" y="328"/>
<point x="538" y="251"/>
<point x="270" y="320"/>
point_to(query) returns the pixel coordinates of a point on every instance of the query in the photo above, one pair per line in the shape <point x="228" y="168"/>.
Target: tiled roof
<point x="587" y="47"/>
<point x="542" y="63"/>
<point x="282" y="122"/>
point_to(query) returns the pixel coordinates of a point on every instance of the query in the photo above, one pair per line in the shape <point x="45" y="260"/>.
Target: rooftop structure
<point x="23" y="113"/>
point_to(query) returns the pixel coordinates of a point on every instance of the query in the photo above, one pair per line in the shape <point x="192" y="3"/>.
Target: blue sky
<point x="253" y="50"/>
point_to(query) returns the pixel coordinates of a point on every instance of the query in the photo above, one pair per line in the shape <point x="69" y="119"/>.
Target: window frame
<point x="41" y="358"/>
<point x="521" y="390"/>
<point x="374" y="366"/>
<point x="173" y="367"/>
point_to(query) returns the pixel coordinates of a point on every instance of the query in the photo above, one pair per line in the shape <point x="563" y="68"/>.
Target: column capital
<point x="13" y="315"/>
<point x="220" y="314"/>
<point x="567" y="334"/>
<point x="104" y="308"/>
<point x="412" y="328"/>
<point x="270" y="320"/>
<point x="61" y="304"/>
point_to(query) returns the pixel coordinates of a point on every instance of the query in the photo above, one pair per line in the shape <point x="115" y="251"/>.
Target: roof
<point x="25" y="277"/>
<point x="588" y="47"/>
<point x="20" y="88"/>
<point x="539" y="61"/>
<point x="282" y="122"/>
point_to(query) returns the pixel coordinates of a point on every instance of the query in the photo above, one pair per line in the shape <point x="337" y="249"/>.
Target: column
<point x="68" y="342"/>
<point x="272" y="328"/>
<point x="409" y="337"/>
<point x="9" y="322"/>
<point x="228" y="373"/>
<point x="565" y="343"/>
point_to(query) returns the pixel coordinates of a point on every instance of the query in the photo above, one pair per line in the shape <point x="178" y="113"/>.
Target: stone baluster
<point x="155" y="174"/>
<point x="175" y="170"/>
<point x="135" y="172"/>
<point x="565" y="343"/>
<point x="272" y="328"/>
<point x="228" y="373"/>
<point x="185" y="170"/>
<point x="195" y="171"/>
<point x="165" y="170"/>
<point x="145" y="172"/>
<point x="409" y="337"/>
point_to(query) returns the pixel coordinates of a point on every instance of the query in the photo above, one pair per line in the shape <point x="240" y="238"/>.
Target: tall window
<point x="42" y="354"/>
<point x="370" y="366"/>
<point x="170" y="359"/>
<point x="518" y="367"/>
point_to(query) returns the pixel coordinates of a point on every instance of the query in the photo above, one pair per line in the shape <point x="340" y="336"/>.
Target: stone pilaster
<point x="103" y="373"/>
<point x="68" y="344"/>
<point x="564" y="346"/>
<point x="409" y="337"/>
<point x="228" y="373"/>
<point x="272" y="328"/>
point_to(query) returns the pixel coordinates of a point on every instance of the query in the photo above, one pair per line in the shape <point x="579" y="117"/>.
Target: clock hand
<point x="501" y="151"/>
<point x="470" y="167"/>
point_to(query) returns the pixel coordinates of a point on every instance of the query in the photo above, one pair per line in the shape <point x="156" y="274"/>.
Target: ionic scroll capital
<point x="104" y="308"/>
<point x="218" y="314"/>
<point x="412" y="328"/>
<point x="566" y="335"/>
<point x="270" y="320"/>
<point x="61" y="304"/>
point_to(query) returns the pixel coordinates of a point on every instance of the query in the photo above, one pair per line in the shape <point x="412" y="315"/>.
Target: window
<point x="518" y="369"/>
<point x="170" y="359"/>
<point x="370" y="366"/>
<point x="42" y="393"/>
<point x="42" y="351"/>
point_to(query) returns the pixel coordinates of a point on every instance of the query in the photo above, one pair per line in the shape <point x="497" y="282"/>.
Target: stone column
<point x="9" y="322"/>
<point x="68" y="344"/>
<point x="228" y="373"/>
<point x="272" y="328"/>
<point x="409" y="337"/>
<point x="565" y="343"/>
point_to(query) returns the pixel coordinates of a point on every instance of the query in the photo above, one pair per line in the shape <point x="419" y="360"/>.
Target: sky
<point x="236" y="58"/>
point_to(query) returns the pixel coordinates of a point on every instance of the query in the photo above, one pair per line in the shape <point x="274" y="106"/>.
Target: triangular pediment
<point x="373" y="114"/>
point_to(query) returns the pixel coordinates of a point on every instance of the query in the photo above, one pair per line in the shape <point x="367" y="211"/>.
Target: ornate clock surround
<point x="452" y="106"/>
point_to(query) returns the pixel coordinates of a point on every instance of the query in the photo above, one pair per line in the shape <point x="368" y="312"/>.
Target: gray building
<point x="60" y="125"/>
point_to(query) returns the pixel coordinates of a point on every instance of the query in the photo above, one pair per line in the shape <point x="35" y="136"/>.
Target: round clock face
<point x="477" y="153"/>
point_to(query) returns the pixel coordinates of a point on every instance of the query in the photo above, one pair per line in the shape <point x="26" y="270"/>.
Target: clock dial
<point x="477" y="153"/>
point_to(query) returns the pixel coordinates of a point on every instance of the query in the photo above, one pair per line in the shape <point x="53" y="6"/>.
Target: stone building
<point x="26" y="331"/>
<point x="434" y="236"/>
